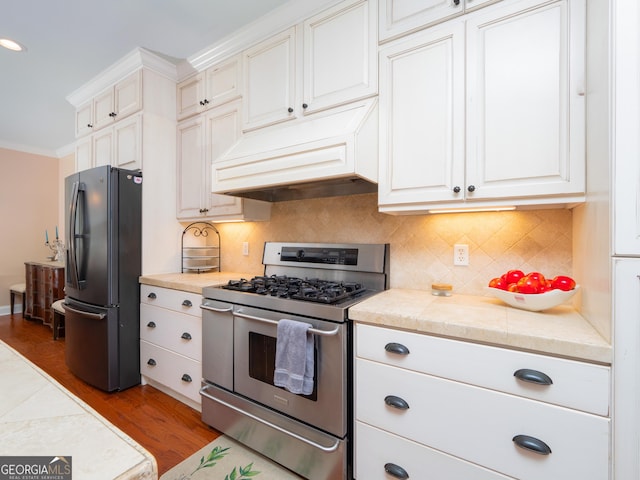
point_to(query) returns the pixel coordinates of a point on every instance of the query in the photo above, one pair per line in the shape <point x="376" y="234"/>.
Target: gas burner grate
<point x="310" y="290"/>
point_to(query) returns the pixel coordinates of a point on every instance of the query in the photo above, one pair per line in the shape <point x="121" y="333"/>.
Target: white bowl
<point x="533" y="302"/>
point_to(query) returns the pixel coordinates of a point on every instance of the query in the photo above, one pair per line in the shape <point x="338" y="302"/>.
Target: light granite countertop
<point x="192" y="282"/>
<point x="39" y="417"/>
<point x="560" y="331"/>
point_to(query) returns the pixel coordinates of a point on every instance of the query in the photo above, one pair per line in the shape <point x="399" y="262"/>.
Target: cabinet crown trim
<point x="135" y="60"/>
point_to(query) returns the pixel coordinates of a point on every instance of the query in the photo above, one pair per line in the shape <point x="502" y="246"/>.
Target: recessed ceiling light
<point x="11" y="45"/>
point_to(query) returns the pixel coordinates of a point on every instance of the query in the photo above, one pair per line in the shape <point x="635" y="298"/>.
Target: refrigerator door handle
<point x="72" y="252"/>
<point x="93" y="316"/>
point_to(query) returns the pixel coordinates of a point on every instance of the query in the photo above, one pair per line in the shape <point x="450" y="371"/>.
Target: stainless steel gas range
<point x="311" y="283"/>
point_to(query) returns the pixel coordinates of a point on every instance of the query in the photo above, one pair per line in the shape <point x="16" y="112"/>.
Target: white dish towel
<point x="294" y="357"/>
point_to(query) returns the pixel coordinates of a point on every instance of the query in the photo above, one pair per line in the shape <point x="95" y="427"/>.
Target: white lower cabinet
<point x="432" y="412"/>
<point x="171" y="342"/>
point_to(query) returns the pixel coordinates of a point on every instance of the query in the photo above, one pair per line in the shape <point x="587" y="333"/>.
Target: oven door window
<point x="262" y="361"/>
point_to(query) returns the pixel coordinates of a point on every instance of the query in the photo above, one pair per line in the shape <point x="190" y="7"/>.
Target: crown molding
<point x="135" y="60"/>
<point x="28" y="149"/>
<point x="273" y="22"/>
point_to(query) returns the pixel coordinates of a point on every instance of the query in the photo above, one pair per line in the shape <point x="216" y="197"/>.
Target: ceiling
<point x="69" y="42"/>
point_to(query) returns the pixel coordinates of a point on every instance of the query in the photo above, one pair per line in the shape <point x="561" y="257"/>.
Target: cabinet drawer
<point x="479" y="425"/>
<point x="375" y="448"/>
<point x="185" y="302"/>
<point x="578" y="385"/>
<point x="175" y="331"/>
<point x="181" y="374"/>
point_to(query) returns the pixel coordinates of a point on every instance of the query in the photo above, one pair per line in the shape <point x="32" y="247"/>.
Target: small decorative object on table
<point x="57" y="247"/>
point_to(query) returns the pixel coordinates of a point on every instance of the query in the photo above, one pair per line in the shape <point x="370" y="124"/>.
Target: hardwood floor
<point x="168" y="429"/>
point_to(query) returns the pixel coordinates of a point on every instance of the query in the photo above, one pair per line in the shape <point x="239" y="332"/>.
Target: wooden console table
<point x="45" y="285"/>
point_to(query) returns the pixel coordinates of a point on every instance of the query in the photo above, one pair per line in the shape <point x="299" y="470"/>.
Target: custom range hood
<point x="325" y="154"/>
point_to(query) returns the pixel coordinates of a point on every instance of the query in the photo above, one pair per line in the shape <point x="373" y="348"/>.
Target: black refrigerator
<point x="103" y="262"/>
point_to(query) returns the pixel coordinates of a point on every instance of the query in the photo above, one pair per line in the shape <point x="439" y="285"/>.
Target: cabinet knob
<point x="187" y="303"/>
<point x="151" y="362"/>
<point x="396" y="402"/>
<point x="395" y="470"/>
<point x="397" y="348"/>
<point x="304" y="105"/>
<point x="290" y="110"/>
<point x="152" y="296"/>
<point x="533" y="376"/>
<point x="532" y="444"/>
<point x="456" y="189"/>
<point x="204" y="210"/>
<point x="456" y="2"/>
<point x="204" y="102"/>
<point x="187" y="378"/>
<point x="471" y="188"/>
<point x="113" y="114"/>
<point x="186" y="336"/>
<point x="151" y="324"/>
<point x="90" y="125"/>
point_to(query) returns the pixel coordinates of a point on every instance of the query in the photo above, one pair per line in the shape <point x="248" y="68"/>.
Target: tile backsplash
<point x="421" y="245"/>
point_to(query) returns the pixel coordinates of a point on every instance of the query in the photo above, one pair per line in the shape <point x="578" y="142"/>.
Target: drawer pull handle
<point x="396" y="402"/>
<point x="151" y="324"/>
<point x="186" y="378"/>
<point x="396" y="348"/>
<point x="532" y="444"/>
<point x="186" y="336"/>
<point x="533" y="376"/>
<point x="152" y="296"/>
<point x="395" y="470"/>
<point x="151" y="362"/>
<point x="187" y="303"/>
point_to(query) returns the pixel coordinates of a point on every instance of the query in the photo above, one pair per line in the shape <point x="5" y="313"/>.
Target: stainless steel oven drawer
<point x="307" y="451"/>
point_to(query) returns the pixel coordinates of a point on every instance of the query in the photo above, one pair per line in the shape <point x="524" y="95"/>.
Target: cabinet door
<point x="191" y="164"/>
<point x="103" y="147"/>
<point x="223" y="129"/>
<point x="626" y="361"/>
<point x="222" y="82"/>
<point x="340" y="55"/>
<point x="127" y="143"/>
<point x="189" y="94"/>
<point x="626" y="167"/>
<point x="270" y="81"/>
<point x="401" y="16"/>
<point x="84" y="154"/>
<point x="422" y="117"/>
<point x="84" y="119"/>
<point x="127" y="96"/>
<point x="525" y="100"/>
<point x="103" y="109"/>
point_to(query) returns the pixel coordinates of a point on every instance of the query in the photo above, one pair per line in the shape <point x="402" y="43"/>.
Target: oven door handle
<point x="315" y="331"/>
<point x="217" y="310"/>
<point x="332" y="448"/>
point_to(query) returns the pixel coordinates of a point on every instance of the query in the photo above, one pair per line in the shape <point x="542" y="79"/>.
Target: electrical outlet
<point x="461" y="254"/>
<point x="245" y="248"/>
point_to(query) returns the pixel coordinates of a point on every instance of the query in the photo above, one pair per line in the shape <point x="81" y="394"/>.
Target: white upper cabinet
<point x="328" y="60"/>
<point x="201" y="141"/>
<point x="485" y="110"/>
<point x="118" y="102"/>
<point x="216" y="85"/>
<point x="84" y="119"/>
<point x="270" y="80"/>
<point x="340" y="55"/>
<point x="399" y="17"/>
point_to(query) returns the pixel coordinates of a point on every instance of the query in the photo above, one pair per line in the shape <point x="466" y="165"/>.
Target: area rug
<point x="226" y="459"/>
